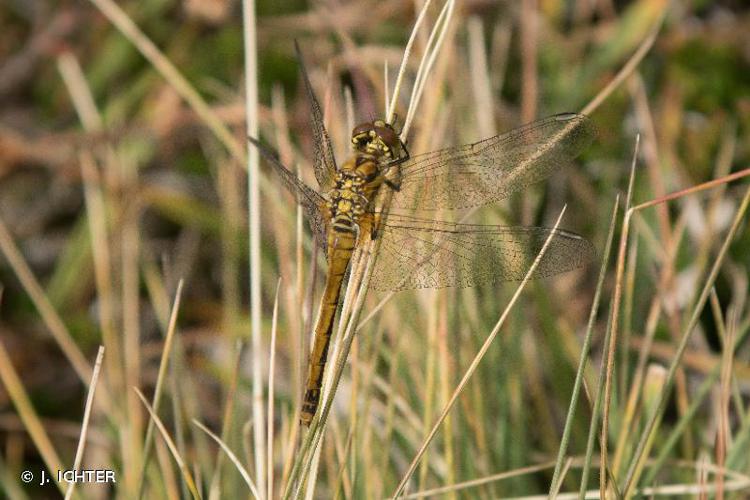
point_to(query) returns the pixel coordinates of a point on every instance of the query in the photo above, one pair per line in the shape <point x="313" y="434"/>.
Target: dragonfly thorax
<point x="356" y="184"/>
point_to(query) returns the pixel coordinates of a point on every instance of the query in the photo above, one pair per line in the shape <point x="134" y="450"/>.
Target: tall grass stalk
<point x="391" y="109"/>
<point x="271" y="380"/>
<point x="256" y="343"/>
<point x="604" y="470"/>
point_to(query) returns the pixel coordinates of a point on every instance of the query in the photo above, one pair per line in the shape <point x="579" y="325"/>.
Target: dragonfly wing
<point x="324" y="162"/>
<point x="312" y="203"/>
<point x="418" y="253"/>
<point x="489" y="170"/>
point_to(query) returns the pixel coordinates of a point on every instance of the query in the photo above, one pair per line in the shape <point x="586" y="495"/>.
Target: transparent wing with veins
<point x="324" y="163"/>
<point x="489" y="170"/>
<point x="421" y="253"/>
<point x="312" y="202"/>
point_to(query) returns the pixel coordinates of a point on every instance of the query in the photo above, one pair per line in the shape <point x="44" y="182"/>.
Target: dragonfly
<point x="420" y="251"/>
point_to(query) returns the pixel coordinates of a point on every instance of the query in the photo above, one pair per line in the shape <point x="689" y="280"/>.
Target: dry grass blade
<point x="229" y="409"/>
<point x="434" y="42"/>
<point x="79" y="91"/>
<point x="230" y="454"/>
<point x="629" y="67"/>
<point x="96" y="210"/>
<point x="86" y="416"/>
<point x="615" y="321"/>
<point x="724" y="436"/>
<point x="253" y="208"/>
<point x="479" y="481"/>
<point x="311" y="474"/>
<point x="481" y="83"/>
<point x="48" y="313"/>
<point x="271" y="369"/>
<point x="164" y="66"/>
<point x="694" y="189"/>
<point x="29" y="417"/>
<point x="186" y="475"/>
<point x="564" y="472"/>
<point x="391" y="109"/>
<point x="386" y="83"/>
<point x="475" y="362"/>
<point x="166" y="353"/>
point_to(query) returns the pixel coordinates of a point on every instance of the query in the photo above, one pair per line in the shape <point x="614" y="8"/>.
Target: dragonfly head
<point x="377" y="138"/>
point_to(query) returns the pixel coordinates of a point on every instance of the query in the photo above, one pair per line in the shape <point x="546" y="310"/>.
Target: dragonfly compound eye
<point x="388" y="136"/>
<point x="362" y="128"/>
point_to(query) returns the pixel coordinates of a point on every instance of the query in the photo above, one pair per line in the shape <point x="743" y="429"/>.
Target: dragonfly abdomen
<point x="341" y="245"/>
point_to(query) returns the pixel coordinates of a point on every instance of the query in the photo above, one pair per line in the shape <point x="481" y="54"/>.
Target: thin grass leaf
<point x="86" y="416"/>
<point x="166" y="353"/>
<point x="232" y="457"/>
<point x="186" y="475"/>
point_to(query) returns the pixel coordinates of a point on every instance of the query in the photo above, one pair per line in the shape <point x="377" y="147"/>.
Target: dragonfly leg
<point x="368" y="223"/>
<point x="406" y="154"/>
<point x="375" y="225"/>
<point x="392" y="176"/>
